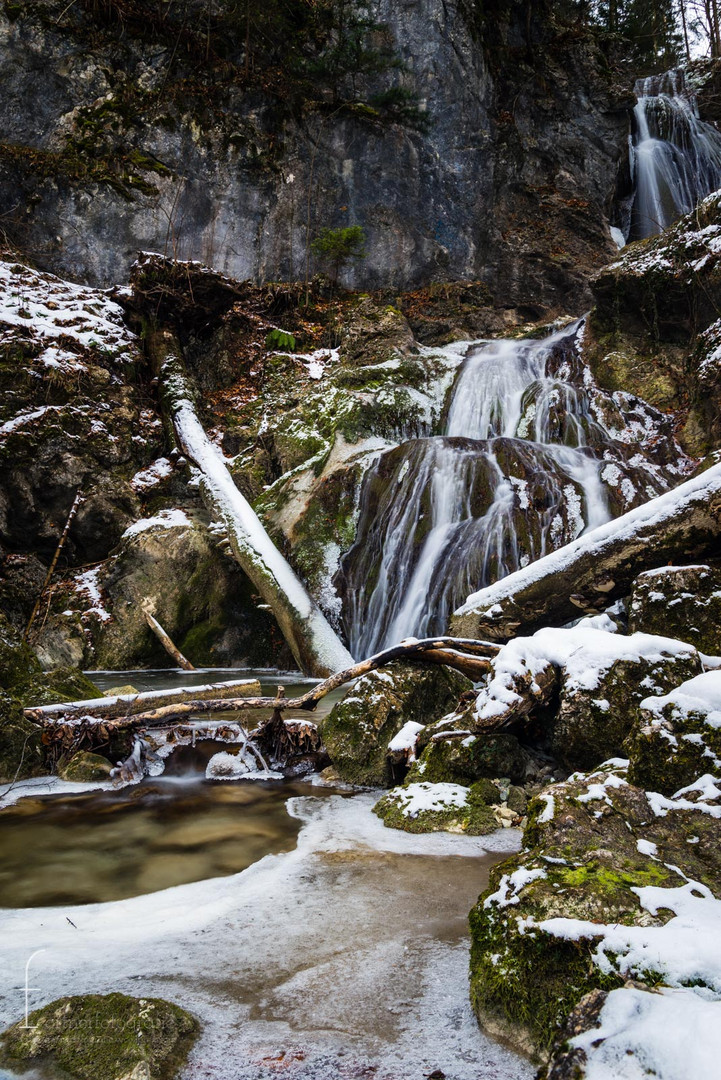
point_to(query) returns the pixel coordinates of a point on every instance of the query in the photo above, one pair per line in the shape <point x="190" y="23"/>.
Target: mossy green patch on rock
<point x="590" y="844"/>
<point x="104" y="1037"/>
<point x="85" y="767"/>
<point x="469" y="758"/>
<point x="358" y="729"/>
<point x="61" y="684"/>
<point x="424" y="807"/>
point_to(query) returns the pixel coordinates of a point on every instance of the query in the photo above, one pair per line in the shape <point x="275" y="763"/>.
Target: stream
<point x="309" y="939"/>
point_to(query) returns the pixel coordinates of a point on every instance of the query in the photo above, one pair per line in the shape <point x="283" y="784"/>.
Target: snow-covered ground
<point x="345" y="957"/>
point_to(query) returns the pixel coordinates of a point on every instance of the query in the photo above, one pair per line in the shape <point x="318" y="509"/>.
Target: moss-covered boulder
<point x="17" y="659"/>
<point x="424" y="807"/>
<point x="21" y="749"/>
<point x="467" y="757"/>
<point x="679" y="601"/>
<point x="358" y="729"/>
<point x="104" y="1037"/>
<point x="678" y="736"/>
<point x="559" y="918"/>
<point x="593" y="722"/>
<point x="84" y="767"/>
<point x="174" y="564"/>
<point x="22" y="674"/>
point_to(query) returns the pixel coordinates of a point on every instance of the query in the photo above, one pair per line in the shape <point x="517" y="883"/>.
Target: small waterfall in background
<point x="512" y="478"/>
<point x="675" y="156"/>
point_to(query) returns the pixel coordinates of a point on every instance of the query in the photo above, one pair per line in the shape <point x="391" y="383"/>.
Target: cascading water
<point x="512" y="478"/>
<point x="675" y="156"/>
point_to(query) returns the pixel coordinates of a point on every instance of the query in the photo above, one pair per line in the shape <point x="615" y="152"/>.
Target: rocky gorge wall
<point x="107" y="147"/>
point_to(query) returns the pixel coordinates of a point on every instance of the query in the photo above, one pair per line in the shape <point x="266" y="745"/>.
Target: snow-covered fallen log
<point x="316" y="647"/>
<point x="121" y="705"/>
<point x="587" y="574"/>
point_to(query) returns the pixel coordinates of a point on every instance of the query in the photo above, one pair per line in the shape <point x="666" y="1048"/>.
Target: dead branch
<point x="167" y="642"/>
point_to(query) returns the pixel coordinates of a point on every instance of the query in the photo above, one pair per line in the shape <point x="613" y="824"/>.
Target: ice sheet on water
<point x="263" y="957"/>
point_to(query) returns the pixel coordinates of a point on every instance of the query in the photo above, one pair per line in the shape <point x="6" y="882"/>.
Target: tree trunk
<point x="586" y="575"/>
<point x="315" y="645"/>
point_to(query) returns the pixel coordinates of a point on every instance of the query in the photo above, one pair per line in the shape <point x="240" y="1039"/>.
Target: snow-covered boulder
<point x="679" y="735"/>
<point x="424" y="807"/>
<point x="613" y="882"/>
<point x="679" y="601"/>
<point x="579" y="687"/>
<point x="671" y="1033"/>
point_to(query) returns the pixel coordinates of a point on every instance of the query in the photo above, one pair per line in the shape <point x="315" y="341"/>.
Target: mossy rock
<point x="62" y="684"/>
<point x="592" y="725"/>
<point x="21" y="673"/>
<point x="581" y="859"/>
<point x="358" y="729"/>
<point x="17" y="659"/>
<point x="104" y="1037"/>
<point x="679" y="601"/>
<point x="424" y="807"/>
<point x="85" y="767"/>
<point x="463" y="761"/>
<point x="678" y="737"/>
<point x="21" y="748"/>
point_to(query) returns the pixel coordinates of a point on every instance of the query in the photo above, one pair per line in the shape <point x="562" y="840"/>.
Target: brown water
<point x="108" y="845"/>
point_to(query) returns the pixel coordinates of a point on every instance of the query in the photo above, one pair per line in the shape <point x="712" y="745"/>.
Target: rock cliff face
<point x="107" y="146"/>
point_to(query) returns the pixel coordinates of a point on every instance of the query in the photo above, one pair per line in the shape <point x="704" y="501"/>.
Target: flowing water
<point x="675" y="156"/>
<point x="514" y="475"/>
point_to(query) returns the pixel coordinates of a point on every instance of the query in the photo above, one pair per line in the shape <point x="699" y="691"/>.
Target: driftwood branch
<point x="585" y="576"/>
<point x="167" y="642"/>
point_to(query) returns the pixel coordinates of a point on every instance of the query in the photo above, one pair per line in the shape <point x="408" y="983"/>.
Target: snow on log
<point x="598" y="567"/>
<point x="123" y="705"/>
<point x="316" y="647"/>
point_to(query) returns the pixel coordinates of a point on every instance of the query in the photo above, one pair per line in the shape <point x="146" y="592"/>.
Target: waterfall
<point x="512" y="477"/>
<point x="675" y="156"/>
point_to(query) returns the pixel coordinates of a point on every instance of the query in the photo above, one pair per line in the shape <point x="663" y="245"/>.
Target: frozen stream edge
<point x="341" y="953"/>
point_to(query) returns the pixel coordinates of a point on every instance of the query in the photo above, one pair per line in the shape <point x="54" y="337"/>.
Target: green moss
<point x="21" y="748"/>
<point x="105" y="1036"/>
<point x="474" y="817"/>
<point x="63" y="684"/>
<point x="463" y="761"/>
<point x="85" y="767"/>
<point x="526" y="980"/>
<point x="357" y="731"/>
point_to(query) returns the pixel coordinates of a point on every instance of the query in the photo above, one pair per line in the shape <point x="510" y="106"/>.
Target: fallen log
<point x="586" y="575"/>
<point x="174" y="705"/>
<point x="315" y="645"/>
<point x="126" y="705"/>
